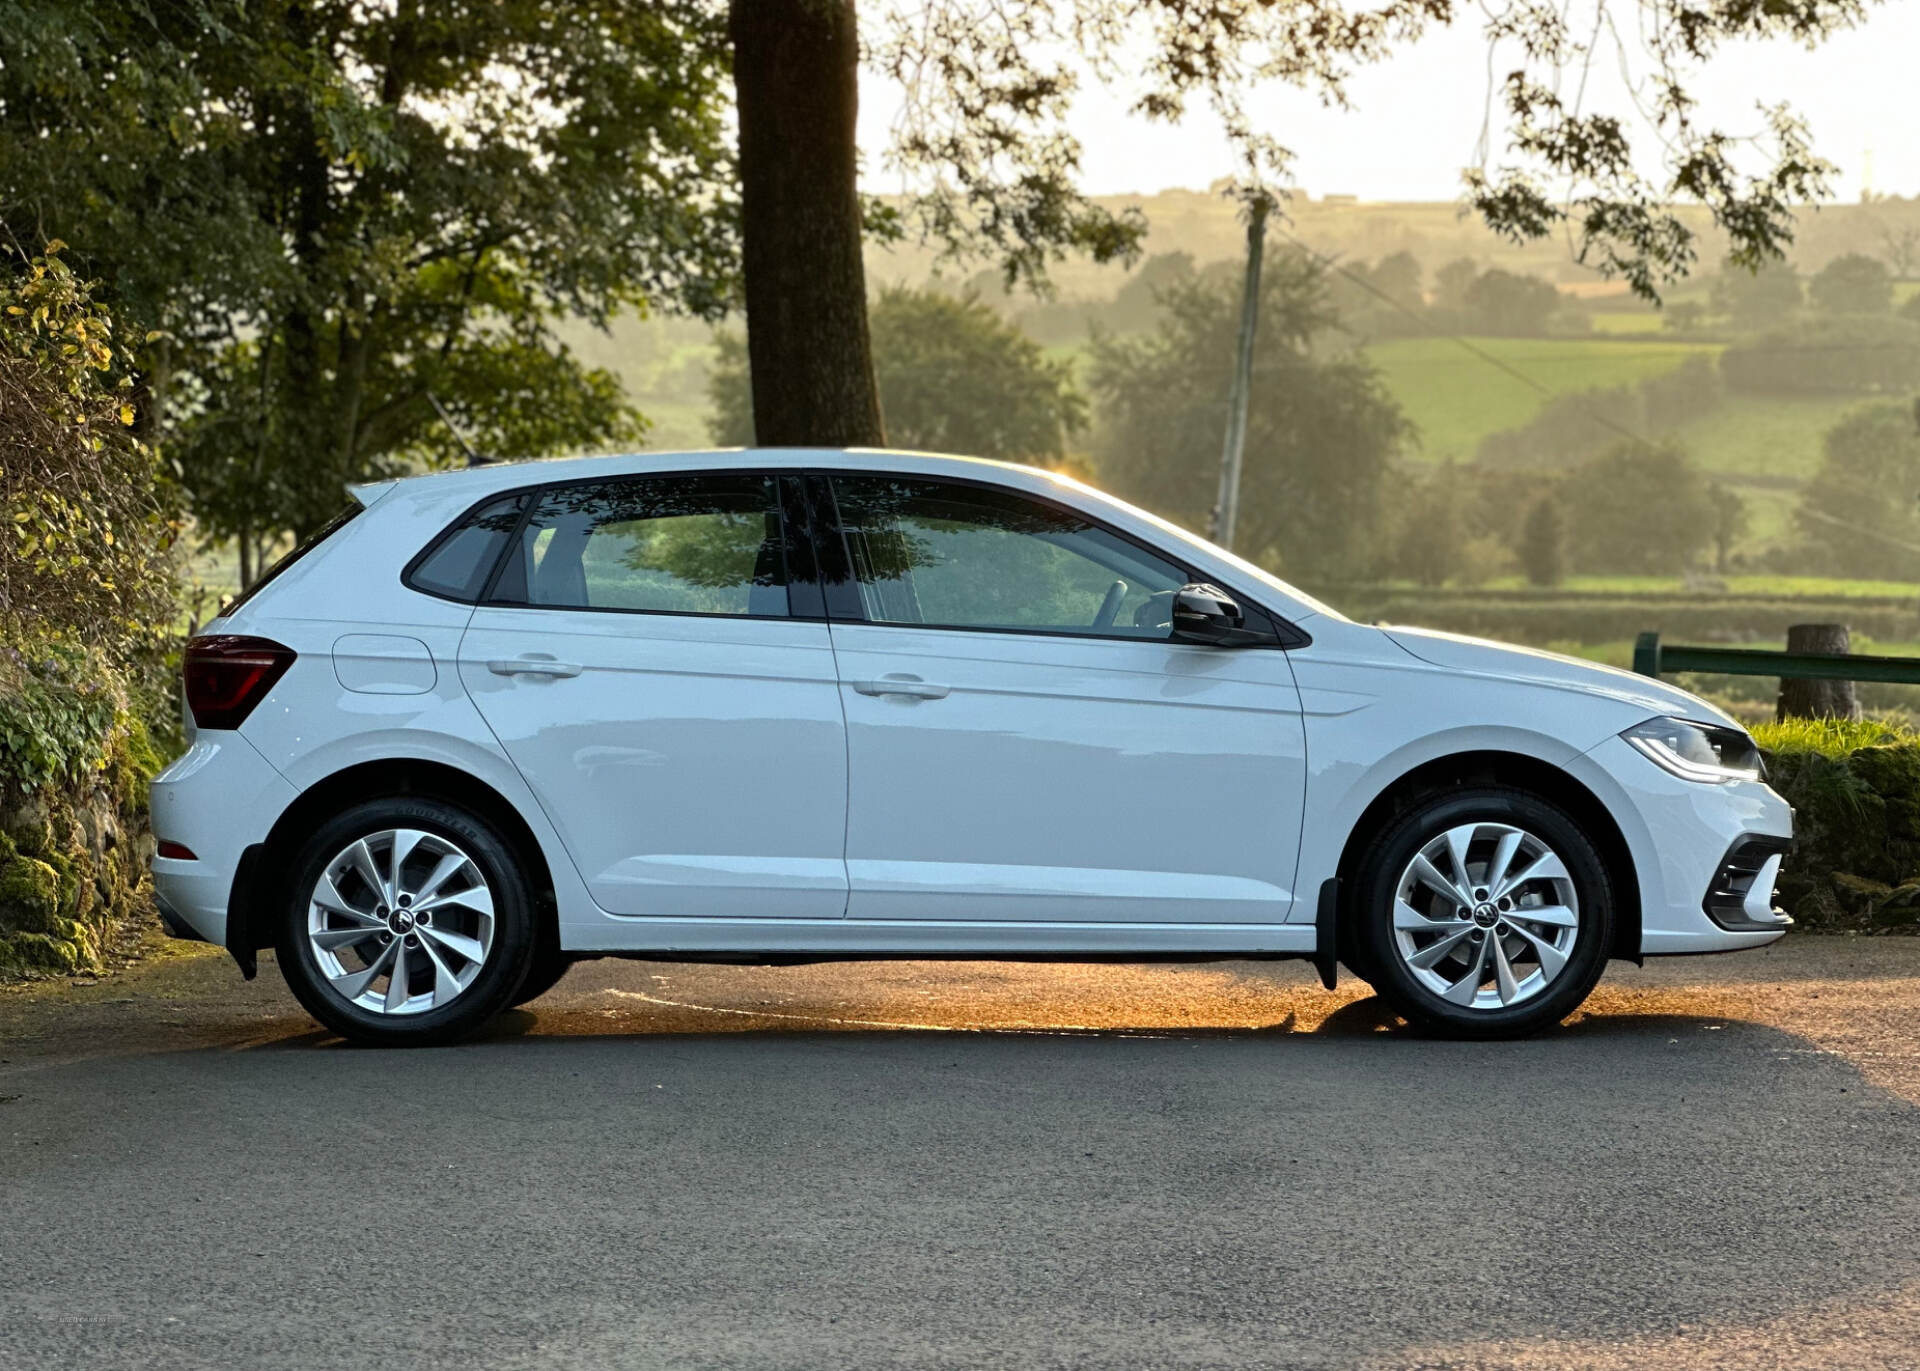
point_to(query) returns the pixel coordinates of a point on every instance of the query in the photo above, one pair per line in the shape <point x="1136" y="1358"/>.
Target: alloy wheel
<point x="400" y="921"/>
<point x="1485" y="916"/>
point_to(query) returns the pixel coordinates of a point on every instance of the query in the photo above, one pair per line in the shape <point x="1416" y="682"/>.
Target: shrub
<point x="88" y="516"/>
<point x="1855" y="789"/>
<point x="1833" y="738"/>
<point x="87" y="526"/>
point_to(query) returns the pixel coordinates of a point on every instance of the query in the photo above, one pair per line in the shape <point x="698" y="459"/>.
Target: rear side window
<point x="458" y="564"/>
<point x="697" y="544"/>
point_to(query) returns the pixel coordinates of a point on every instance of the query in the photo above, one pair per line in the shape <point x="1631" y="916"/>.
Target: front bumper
<point x="1682" y="835"/>
<point x="216" y="800"/>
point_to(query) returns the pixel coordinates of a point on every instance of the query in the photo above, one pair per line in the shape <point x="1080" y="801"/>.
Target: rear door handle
<point x="902" y="684"/>
<point x="532" y="666"/>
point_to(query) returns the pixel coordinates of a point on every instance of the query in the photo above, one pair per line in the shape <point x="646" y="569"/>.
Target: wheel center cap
<point x="400" y="921"/>
<point x="1486" y="915"/>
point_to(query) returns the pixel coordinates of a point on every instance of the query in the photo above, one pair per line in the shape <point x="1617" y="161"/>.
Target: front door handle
<point x="902" y="684"/>
<point x="532" y="666"/>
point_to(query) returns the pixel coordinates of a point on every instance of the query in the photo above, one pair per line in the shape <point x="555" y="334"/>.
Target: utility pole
<point x="1226" y="509"/>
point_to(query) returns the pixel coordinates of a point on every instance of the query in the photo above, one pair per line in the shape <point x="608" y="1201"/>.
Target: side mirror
<point x="1205" y="613"/>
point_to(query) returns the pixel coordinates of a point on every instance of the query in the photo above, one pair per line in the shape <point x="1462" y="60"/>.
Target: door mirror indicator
<point x="1204" y="613"/>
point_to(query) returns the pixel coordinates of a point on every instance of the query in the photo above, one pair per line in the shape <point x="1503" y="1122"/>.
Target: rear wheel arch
<point x="1517" y="770"/>
<point x="252" y="910"/>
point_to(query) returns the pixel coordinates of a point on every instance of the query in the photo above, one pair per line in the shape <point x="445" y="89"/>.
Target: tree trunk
<point x="1817" y="699"/>
<point x="795" y="73"/>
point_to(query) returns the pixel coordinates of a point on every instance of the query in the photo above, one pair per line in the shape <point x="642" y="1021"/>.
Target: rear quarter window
<point x="458" y="563"/>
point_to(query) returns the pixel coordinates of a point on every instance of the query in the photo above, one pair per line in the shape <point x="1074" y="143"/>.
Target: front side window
<point x="939" y="553"/>
<point x="702" y="544"/>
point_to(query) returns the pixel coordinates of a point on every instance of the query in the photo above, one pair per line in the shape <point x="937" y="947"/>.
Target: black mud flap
<point x="242" y="937"/>
<point x="1326" y="934"/>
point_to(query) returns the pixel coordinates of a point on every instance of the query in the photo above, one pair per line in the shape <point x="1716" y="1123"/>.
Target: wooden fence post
<point x="1807" y="699"/>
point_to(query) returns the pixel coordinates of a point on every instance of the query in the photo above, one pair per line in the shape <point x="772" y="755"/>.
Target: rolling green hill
<point x="1458" y="397"/>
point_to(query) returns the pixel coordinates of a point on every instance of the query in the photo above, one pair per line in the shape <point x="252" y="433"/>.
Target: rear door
<point x="1025" y="742"/>
<point x="649" y="657"/>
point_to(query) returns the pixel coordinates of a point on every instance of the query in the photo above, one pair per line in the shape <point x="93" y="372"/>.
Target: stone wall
<point x="73" y="874"/>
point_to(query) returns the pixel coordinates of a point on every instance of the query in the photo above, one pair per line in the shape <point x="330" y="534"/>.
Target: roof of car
<point x="509" y="475"/>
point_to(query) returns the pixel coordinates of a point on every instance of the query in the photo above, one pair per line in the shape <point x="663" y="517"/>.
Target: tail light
<point x="227" y="675"/>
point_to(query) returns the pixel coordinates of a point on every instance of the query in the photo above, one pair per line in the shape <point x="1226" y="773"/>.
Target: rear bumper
<point x="217" y="800"/>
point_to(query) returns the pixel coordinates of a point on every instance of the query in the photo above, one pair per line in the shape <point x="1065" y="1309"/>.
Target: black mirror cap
<point x="1198" y="604"/>
<point x="1204" y="613"/>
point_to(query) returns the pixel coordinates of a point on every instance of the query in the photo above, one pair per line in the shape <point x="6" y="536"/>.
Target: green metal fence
<point x="1651" y="657"/>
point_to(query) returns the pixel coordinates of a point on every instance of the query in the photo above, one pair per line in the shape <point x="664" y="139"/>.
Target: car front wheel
<point x="1485" y="913"/>
<point x="410" y="923"/>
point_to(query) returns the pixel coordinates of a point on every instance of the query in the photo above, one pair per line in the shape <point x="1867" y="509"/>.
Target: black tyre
<point x="408" y="923"/>
<point x="1483" y="913"/>
<point x="546" y="969"/>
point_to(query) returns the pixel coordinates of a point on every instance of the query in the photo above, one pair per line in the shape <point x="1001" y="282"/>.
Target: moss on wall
<point x="74" y="843"/>
<point x="1856" y="855"/>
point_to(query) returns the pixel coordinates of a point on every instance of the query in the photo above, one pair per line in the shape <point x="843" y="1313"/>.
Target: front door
<point x="1025" y="743"/>
<point x="639" y="662"/>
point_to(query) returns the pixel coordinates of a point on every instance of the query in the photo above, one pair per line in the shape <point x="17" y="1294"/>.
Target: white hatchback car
<point x="783" y="706"/>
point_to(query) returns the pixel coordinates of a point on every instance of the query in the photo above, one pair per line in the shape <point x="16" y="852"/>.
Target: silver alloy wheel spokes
<point x="400" y="921"/>
<point x="1485" y="916"/>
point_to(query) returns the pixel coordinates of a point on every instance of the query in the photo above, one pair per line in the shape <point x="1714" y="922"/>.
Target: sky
<point x="1416" y="118"/>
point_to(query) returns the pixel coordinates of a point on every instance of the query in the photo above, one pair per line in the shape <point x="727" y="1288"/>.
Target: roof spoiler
<point x="367" y="492"/>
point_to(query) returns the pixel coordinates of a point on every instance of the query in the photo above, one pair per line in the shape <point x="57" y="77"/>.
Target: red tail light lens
<point x="227" y="675"/>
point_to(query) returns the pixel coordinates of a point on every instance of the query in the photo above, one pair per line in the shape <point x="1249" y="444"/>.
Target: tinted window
<point x="667" y="544"/>
<point x="930" y="552"/>
<point x="459" y="564"/>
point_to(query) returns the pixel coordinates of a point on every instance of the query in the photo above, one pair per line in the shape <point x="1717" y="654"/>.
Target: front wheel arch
<point x="1521" y="772"/>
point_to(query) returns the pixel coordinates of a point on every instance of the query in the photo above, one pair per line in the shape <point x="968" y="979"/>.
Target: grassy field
<point x="1764" y="436"/>
<point x="1457" y="397"/>
<point x="1639" y="322"/>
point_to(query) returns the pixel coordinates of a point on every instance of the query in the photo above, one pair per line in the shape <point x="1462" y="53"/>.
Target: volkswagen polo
<point x="789" y="706"/>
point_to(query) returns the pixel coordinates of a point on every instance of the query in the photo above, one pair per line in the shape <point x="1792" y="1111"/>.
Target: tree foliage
<point x="1322" y="432"/>
<point x="338" y="216"/>
<point x="1861" y="511"/>
<point x="88" y="517"/>
<point x="1758" y="298"/>
<point x="989" y="83"/>
<point x="1853" y="283"/>
<point x="1643" y="510"/>
<point x="1543" y="555"/>
<point x="953" y="376"/>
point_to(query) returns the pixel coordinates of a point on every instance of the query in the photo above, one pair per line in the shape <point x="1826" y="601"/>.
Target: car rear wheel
<point x="548" y="966"/>
<point x="410" y="923"/>
<point x="1484" y="913"/>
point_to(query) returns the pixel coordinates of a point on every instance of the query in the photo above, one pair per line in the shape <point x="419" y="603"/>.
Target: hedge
<point x="87" y="605"/>
<point x="1855" y="789"/>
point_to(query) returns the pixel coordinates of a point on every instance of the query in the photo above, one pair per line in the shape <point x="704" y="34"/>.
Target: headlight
<point x="1698" y="752"/>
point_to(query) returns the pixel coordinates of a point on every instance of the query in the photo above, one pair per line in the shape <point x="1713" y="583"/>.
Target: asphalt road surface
<point x="969" y="1164"/>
